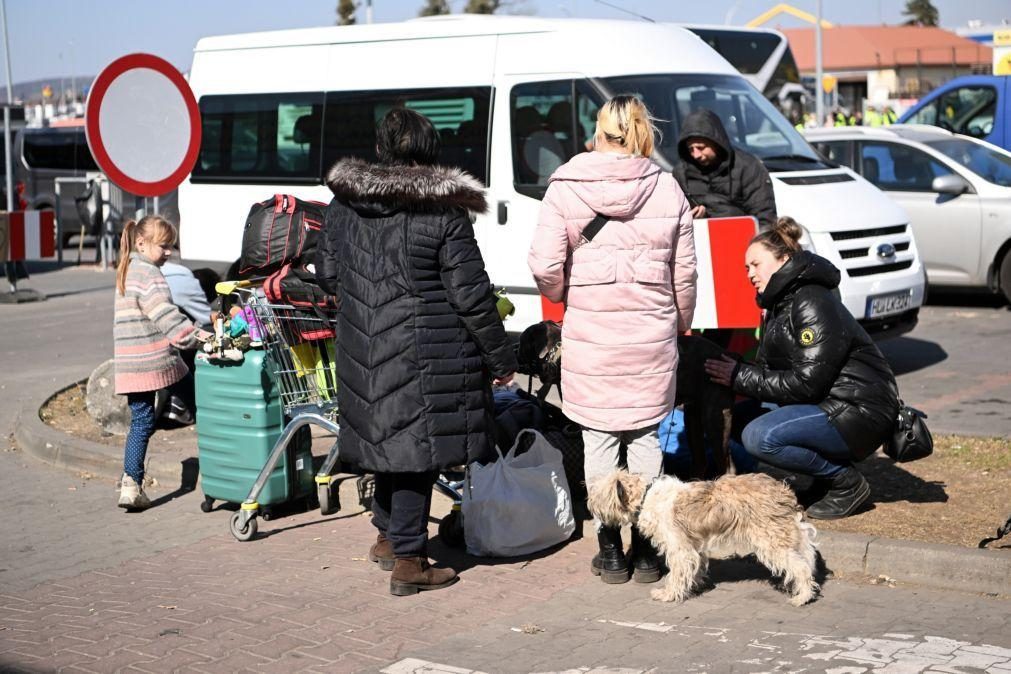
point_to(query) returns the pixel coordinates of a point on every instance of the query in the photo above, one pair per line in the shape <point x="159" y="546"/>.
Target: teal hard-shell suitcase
<point x="239" y="418"/>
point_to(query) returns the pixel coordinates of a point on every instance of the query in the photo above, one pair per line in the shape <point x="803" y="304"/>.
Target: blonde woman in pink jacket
<point x="627" y="295"/>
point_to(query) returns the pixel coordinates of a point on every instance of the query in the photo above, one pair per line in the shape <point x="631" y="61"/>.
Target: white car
<point x="956" y="190"/>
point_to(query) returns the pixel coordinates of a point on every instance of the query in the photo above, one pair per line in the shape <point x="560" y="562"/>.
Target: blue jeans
<point x="797" y="438"/>
<point x="141" y="430"/>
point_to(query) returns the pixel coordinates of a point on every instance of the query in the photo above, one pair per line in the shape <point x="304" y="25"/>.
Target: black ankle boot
<point x="610" y="563"/>
<point x="645" y="562"/>
<point x="847" y="491"/>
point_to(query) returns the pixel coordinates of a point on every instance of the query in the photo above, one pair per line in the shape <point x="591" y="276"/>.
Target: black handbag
<point x="911" y="439"/>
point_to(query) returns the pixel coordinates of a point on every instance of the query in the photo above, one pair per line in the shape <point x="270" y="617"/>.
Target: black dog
<point x="707" y="405"/>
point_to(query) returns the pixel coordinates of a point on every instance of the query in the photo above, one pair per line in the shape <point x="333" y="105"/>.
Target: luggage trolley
<point x="300" y="345"/>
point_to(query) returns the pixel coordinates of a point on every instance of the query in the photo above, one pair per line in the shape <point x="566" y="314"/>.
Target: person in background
<point x="627" y="294"/>
<point x="836" y="393"/>
<point x="419" y="338"/>
<point x="148" y="330"/>
<point x="718" y="179"/>
<point x="187" y="293"/>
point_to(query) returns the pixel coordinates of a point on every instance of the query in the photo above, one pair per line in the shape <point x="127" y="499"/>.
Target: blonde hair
<point x="783" y="239"/>
<point x="625" y="121"/>
<point x="153" y="228"/>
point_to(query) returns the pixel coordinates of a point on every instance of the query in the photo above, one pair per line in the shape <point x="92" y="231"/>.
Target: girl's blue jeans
<point x="797" y="438"/>
<point x="141" y="430"/>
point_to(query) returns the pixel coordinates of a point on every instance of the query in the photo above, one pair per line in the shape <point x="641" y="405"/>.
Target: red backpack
<point x="278" y="231"/>
<point x="295" y="285"/>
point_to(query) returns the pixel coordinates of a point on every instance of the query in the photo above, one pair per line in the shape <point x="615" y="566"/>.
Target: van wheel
<point x="1005" y="276"/>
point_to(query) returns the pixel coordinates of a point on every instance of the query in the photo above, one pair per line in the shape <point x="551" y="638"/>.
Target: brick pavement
<point x="303" y="598"/>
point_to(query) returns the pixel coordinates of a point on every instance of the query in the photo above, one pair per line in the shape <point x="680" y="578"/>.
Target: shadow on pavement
<point x="950" y="297"/>
<point x="189" y="470"/>
<point x="908" y="354"/>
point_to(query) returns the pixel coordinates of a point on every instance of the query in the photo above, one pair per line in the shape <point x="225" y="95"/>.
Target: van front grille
<point x="864" y="233"/>
<point x="855" y="252"/>
<point x="880" y="268"/>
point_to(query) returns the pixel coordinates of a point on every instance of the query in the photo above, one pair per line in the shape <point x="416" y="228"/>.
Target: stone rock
<point x="109" y="410"/>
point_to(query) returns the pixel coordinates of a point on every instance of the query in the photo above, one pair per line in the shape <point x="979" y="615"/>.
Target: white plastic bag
<point x="518" y="504"/>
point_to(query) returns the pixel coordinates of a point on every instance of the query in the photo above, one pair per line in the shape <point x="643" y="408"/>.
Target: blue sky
<point x="54" y="38"/>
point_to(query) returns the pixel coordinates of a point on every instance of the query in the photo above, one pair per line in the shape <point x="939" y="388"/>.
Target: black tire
<point x="207" y="505"/>
<point x="267" y="514"/>
<point x="451" y="530"/>
<point x="242" y="534"/>
<point x="1005" y="276"/>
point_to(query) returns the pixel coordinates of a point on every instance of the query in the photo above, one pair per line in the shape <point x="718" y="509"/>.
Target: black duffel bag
<point x="911" y="439"/>
<point x="278" y="231"/>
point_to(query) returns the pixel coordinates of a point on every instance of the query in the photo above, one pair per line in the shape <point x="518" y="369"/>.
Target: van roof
<point x="452" y="25"/>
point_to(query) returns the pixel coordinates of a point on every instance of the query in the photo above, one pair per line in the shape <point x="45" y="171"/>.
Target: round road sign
<point x="143" y="124"/>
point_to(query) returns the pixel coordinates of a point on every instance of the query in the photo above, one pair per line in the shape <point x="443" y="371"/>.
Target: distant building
<point x="880" y="64"/>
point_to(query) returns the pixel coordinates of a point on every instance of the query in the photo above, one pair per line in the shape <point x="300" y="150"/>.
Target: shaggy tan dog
<point x="693" y="522"/>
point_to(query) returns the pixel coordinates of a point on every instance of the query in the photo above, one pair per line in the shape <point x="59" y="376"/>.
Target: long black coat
<point x="814" y="352"/>
<point x="737" y="185"/>
<point x="419" y="337"/>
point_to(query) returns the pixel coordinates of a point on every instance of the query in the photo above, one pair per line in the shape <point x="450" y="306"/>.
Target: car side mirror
<point x="949" y="184"/>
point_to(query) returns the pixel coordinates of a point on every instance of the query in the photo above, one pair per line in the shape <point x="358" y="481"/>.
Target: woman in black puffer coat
<point x="837" y="395"/>
<point x="419" y="338"/>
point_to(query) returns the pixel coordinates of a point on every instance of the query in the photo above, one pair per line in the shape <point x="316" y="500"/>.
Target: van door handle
<point x="503" y="212"/>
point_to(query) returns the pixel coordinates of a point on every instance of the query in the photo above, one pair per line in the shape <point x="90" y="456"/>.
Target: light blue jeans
<point x="797" y="438"/>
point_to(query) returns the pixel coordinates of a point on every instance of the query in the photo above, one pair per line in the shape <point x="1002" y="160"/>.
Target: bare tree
<point x="920" y="13"/>
<point x="434" y="8"/>
<point x="346" y="12"/>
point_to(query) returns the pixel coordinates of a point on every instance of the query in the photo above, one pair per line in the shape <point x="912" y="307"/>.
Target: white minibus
<point x="513" y="98"/>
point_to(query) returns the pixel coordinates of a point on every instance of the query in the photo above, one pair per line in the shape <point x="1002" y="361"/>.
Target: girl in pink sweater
<point x="627" y="294"/>
<point x="147" y="330"/>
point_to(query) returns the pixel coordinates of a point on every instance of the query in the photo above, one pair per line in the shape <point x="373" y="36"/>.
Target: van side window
<point x="460" y="115"/>
<point x="260" y="138"/>
<point x="899" y="168"/>
<point x="550" y="122"/>
<point x="58" y="150"/>
<point x="968" y="110"/>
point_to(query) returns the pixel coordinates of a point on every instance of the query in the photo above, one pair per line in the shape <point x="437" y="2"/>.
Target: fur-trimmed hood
<point x="397" y="187"/>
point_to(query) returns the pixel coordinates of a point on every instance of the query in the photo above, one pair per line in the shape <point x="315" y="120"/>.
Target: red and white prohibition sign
<point x="143" y="124"/>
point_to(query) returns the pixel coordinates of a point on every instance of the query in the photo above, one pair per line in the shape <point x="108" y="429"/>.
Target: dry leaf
<point x="170" y="608"/>
<point x="530" y="628"/>
<point x="323" y="568"/>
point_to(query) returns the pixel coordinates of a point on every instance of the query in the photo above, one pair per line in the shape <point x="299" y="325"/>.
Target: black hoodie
<point x="813" y="352"/>
<point x="737" y="185"/>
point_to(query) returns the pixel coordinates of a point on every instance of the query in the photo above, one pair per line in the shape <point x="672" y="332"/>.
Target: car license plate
<point x="892" y="303"/>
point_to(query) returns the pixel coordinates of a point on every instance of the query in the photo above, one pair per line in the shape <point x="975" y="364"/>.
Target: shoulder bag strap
<point x="592" y="229"/>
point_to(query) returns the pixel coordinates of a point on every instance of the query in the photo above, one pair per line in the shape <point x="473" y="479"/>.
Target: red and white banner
<point x="726" y="299"/>
<point x="31" y="235"/>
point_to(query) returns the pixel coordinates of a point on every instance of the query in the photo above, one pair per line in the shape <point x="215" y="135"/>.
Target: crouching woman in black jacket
<point x="419" y="339"/>
<point x="836" y="392"/>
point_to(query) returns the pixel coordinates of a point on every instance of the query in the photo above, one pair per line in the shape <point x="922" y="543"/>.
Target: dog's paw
<point x="805" y="596"/>
<point x="663" y="595"/>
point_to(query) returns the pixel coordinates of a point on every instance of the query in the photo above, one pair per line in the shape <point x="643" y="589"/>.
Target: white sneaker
<point x="131" y="495"/>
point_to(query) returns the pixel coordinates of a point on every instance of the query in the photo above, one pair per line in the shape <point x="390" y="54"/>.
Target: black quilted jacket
<point x="419" y="337"/>
<point x="738" y="185"/>
<point x="813" y="351"/>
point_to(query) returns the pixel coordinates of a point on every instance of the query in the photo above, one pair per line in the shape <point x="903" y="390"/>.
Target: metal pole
<point x="819" y="105"/>
<point x="368" y="11"/>
<point x="7" y="135"/>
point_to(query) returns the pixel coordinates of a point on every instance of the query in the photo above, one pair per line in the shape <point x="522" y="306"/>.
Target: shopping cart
<point x="300" y="345"/>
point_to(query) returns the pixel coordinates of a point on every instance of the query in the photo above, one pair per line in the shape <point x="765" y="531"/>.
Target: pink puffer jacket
<point x="626" y="294"/>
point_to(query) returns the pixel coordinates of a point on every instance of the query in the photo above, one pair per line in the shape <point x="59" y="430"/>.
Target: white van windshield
<point x="752" y="123"/>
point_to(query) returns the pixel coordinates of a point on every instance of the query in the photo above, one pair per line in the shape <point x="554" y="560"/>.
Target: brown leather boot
<point x="382" y="553"/>
<point x="412" y="575"/>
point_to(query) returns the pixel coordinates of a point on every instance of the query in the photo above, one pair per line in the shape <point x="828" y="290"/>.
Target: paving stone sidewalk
<point x="302" y="597"/>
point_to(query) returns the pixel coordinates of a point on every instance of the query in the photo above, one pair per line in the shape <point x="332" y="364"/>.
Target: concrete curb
<point x="58" y="449"/>
<point x="948" y="567"/>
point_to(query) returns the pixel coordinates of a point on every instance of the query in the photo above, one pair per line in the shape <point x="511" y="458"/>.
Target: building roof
<point x="878" y="47"/>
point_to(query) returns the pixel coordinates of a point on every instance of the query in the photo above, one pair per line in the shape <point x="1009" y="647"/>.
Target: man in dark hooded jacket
<point x="719" y="180"/>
